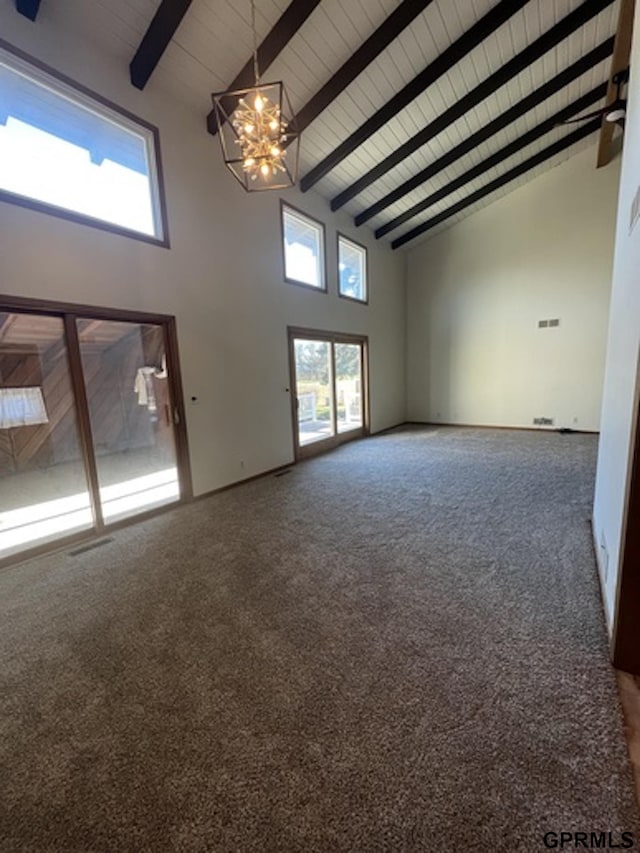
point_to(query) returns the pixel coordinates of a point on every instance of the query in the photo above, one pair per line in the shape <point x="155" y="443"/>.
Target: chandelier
<point x="257" y="131"/>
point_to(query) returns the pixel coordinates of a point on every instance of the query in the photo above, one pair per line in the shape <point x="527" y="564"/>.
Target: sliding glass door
<point x="348" y="371"/>
<point x="44" y="490"/>
<point x="314" y="390"/>
<point x="328" y="388"/>
<point x="124" y="371"/>
<point x="90" y="423"/>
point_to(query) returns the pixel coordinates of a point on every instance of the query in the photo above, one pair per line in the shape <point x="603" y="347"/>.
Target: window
<point x="303" y="240"/>
<point x="352" y="269"/>
<point x="63" y="151"/>
<point x="22" y="407"/>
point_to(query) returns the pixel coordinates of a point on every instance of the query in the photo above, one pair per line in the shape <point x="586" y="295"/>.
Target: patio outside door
<point x="91" y="426"/>
<point x="329" y="389"/>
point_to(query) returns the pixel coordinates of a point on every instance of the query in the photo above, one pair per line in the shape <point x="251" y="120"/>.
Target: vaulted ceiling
<point x="415" y="112"/>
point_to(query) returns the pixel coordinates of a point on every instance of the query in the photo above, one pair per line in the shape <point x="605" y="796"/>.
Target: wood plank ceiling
<point x="415" y="110"/>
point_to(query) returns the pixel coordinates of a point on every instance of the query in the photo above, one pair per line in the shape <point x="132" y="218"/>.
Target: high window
<point x="352" y="269"/>
<point x="303" y="240"/>
<point x="65" y="152"/>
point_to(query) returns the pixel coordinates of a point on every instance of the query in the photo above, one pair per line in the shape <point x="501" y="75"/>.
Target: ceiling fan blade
<point x="586" y="116"/>
<point x="619" y="61"/>
<point x="619" y="107"/>
<point x="616" y="112"/>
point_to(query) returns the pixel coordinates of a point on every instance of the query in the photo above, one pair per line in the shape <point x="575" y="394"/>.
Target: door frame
<point x="68" y="312"/>
<point x="338" y="438"/>
<point x="625" y="643"/>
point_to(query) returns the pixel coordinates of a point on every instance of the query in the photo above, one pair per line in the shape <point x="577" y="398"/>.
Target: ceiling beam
<point x="28" y="8"/>
<point x="280" y="35"/>
<point x="504" y="120"/>
<point x="511" y="175"/>
<point x="154" y="43"/>
<point x="390" y="29"/>
<point x="443" y="63"/>
<point x="619" y="62"/>
<point x="500" y="156"/>
<point x="564" y="28"/>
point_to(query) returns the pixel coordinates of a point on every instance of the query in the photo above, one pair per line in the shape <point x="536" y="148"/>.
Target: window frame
<point x="322" y="254"/>
<point x="340" y="236"/>
<point x="83" y="96"/>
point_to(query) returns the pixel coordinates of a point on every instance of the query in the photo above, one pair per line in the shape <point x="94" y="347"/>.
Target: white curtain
<point x="22" y="407"/>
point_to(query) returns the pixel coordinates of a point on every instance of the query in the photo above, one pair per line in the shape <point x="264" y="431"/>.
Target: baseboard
<point x="270" y="472"/>
<point x="389" y="429"/>
<point x="600" y="570"/>
<point x="501" y="426"/>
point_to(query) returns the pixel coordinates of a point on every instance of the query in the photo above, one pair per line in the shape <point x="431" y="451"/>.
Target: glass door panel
<point x="348" y="373"/>
<point x="43" y="485"/>
<point x="131" y="415"/>
<point x="314" y="390"/>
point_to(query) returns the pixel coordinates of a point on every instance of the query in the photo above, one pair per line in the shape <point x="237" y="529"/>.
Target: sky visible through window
<point x="352" y="269"/>
<point x="302" y="249"/>
<point x="302" y="264"/>
<point x="43" y="167"/>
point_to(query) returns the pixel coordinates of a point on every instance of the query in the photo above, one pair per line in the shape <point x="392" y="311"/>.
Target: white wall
<point x="620" y="398"/>
<point x="222" y="277"/>
<point x="477" y="291"/>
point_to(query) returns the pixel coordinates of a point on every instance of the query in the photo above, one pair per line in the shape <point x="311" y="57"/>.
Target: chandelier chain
<point x="258" y="135"/>
<point x="256" y="72"/>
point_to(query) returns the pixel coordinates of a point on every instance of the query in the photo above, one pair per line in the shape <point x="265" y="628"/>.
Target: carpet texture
<point x="398" y="646"/>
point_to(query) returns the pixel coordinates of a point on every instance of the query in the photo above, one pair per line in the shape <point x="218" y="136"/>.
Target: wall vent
<point x="543" y="421"/>
<point x="542" y="324"/>
<point x="555" y="322"/>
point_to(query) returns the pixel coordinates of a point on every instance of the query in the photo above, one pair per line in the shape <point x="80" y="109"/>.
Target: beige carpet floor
<point x="398" y="646"/>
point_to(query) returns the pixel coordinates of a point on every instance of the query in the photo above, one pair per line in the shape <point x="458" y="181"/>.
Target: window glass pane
<point x="303" y="249"/>
<point x="352" y="266"/>
<point x="61" y="148"/>
<point x="43" y="486"/>
<point x="348" y="370"/>
<point x="314" y="390"/>
<point x="126" y="380"/>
